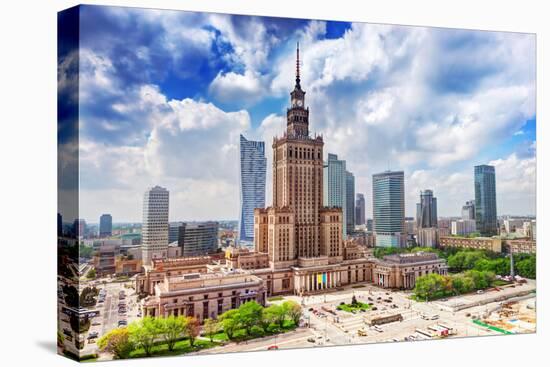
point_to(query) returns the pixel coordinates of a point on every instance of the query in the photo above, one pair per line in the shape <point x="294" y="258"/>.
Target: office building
<point x="198" y="238"/>
<point x="370" y="225"/>
<point x="359" y="209"/>
<point x="335" y="184"/>
<point x="350" y="203"/>
<point x="427" y="237"/>
<point x="463" y="227"/>
<point x="486" y="202"/>
<point x="253" y="165"/>
<point x="388" y="203"/>
<point x="154" y="229"/>
<point x="469" y="210"/>
<point x="426" y="210"/>
<point x="174" y="231"/>
<point x="105" y="225"/>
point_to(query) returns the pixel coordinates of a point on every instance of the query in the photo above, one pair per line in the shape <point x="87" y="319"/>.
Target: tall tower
<point x="105" y="225"/>
<point x="154" y="229"/>
<point x="350" y="202"/>
<point x="388" y="205"/>
<point x="485" y="200"/>
<point x="359" y="209"/>
<point x="297" y="225"/>
<point x="335" y="186"/>
<point x="253" y="165"/>
<point x="426" y="210"/>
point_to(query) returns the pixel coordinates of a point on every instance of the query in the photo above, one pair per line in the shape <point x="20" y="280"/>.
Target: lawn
<point x="256" y="332"/>
<point x="181" y="347"/>
<point x="499" y="283"/>
<point x="350" y="307"/>
<point x="275" y="298"/>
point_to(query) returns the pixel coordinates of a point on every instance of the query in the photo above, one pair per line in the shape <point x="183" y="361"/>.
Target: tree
<point x="172" y="328"/>
<point x="295" y="311"/>
<point x="250" y="314"/>
<point x="88" y="297"/>
<point x="117" y="342"/>
<point x="91" y="274"/>
<point x="432" y="286"/>
<point x="70" y="294"/>
<point x="192" y="329"/>
<point x="281" y="311"/>
<point x="527" y="267"/>
<point x="144" y="332"/>
<point x="269" y="316"/>
<point x="211" y="327"/>
<point x="230" y="322"/>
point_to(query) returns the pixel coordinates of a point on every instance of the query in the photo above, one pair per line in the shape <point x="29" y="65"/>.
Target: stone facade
<point x="479" y="243"/>
<point x="203" y="295"/>
<point x="520" y="246"/>
<point x="401" y="270"/>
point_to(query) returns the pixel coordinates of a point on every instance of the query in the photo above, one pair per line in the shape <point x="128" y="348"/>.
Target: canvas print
<point x="233" y="183"/>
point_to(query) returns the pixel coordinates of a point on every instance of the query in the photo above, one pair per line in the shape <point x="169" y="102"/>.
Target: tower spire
<point x="298" y="65"/>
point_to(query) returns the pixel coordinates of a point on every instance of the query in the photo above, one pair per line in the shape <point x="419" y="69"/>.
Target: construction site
<point x="512" y="317"/>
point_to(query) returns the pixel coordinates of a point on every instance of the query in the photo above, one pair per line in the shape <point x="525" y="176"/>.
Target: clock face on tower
<point x="299" y="103"/>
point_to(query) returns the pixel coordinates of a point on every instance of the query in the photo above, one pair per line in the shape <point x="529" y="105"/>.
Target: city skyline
<point x="457" y="113"/>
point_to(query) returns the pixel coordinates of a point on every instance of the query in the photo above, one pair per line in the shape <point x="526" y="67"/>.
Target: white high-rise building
<point x="154" y="230"/>
<point x="463" y="227"/>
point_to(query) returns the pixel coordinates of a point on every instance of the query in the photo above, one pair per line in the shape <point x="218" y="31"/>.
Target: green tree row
<point x="146" y="332"/>
<point x="434" y="286"/>
<point x="524" y="264"/>
<point x="252" y="314"/>
<point x="149" y="331"/>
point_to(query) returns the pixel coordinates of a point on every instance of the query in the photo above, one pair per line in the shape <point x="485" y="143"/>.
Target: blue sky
<point x="164" y="96"/>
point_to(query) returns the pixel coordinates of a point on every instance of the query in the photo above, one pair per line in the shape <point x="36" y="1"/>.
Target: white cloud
<point x="191" y="149"/>
<point x="231" y="86"/>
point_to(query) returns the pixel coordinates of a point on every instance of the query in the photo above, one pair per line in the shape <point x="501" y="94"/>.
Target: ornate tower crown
<point x="297" y="114"/>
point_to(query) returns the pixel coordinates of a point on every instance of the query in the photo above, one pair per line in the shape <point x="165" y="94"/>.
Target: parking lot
<point x="116" y="306"/>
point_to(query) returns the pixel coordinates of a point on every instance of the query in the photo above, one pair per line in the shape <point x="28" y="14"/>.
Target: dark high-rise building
<point x="79" y="228"/>
<point x="469" y="210"/>
<point x="105" y="225"/>
<point x="174" y="231"/>
<point x="59" y="225"/>
<point x="359" y="209"/>
<point x="253" y="164"/>
<point x="350" y="202"/>
<point x="198" y="238"/>
<point x="485" y="200"/>
<point x="388" y="206"/>
<point x="370" y="225"/>
<point x="426" y="210"/>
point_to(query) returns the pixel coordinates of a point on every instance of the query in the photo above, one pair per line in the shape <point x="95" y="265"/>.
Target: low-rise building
<point x="401" y="270"/>
<point x="520" y="246"/>
<point x="161" y="268"/>
<point x="104" y="259"/>
<point x="203" y="295"/>
<point x="127" y="266"/>
<point x="479" y="243"/>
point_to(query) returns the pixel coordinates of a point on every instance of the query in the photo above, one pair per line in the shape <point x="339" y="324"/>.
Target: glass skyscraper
<point x="388" y="205"/>
<point x="359" y="209"/>
<point x="426" y="210"/>
<point x="350" y="202"/>
<point x="253" y="165"/>
<point x="485" y="200"/>
<point x="334" y="187"/>
<point x="105" y="225"/>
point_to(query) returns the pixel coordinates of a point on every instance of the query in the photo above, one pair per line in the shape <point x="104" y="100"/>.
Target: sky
<point x="164" y="96"/>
